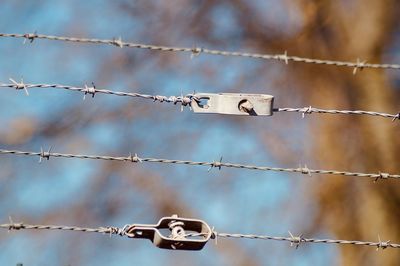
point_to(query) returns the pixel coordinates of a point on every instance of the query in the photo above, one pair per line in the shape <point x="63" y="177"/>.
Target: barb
<point x="310" y="110"/>
<point x="20" y="86"/>
<point x="195" y="51"/>
<point x="183" y="100"/>
<point x="360" y="65"/>
<point x="44" y="155"/>
<point x="293" y="240"/>
<point x="217" y="164"/>
<point x="89" y="90"/>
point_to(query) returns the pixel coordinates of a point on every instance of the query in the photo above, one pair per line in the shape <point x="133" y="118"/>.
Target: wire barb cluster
<point x="195" y="51"/>
<point x="215" y="164"/>
<point x="295" y="241"/>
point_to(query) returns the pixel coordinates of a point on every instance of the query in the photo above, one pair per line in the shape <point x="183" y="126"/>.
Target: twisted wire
<point x="310" y="110"/>
<point x="215" y="164"/>
<point x="196" y="51"/>
<point x="183" y="100"/>
<point x="294" y="240"/>
<point x="297" y="240"/>
<point x="103" y="230"/>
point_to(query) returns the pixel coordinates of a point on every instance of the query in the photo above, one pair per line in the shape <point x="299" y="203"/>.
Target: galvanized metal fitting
<point x="233" y="104"/>
<point x="185" y="234"/>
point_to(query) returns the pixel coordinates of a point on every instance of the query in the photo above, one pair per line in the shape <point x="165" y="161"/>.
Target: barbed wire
<point x="103" y="230"/>
<point x="310" y="110"/>
<point x="215" y="164"/>
<point x="297" y="240"/>
<point x="92" y="90"/>
<point x="183" y="100"/>
<point x="124" y="231"/>
<point x="195" y="51"/>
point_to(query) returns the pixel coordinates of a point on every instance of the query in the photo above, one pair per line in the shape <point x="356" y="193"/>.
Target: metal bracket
<point x="233" y="103"/>
<point x="186" y="234"/>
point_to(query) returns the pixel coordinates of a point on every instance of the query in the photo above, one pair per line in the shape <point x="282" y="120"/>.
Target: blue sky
<point x="237" y="201"/>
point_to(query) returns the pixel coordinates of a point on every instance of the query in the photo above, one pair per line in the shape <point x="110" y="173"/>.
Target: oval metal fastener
<point x="192" y="234"/>
<point x="233" y="103"/>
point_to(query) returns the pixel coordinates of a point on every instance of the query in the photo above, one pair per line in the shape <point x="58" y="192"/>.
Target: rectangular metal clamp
<point x="233" y="103"/>
<point x="186" y="234"/>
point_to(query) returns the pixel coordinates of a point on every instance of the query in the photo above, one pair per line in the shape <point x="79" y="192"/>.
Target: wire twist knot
<point x="20" y="85"/>
<point x="382" y="244"/>
<point x="359" y="65"/>
<point x="160" y="98"/>
<point x="186" y="100"/>
<point x="295" y="240"/>
<point x="304" y="170"/>
<point x="216" y="164"/>
<point x="382" y="176"/>
<point x="115" y="230"/>
<point x="16" y="226"/>
<point x="196" y="51"/>
<point x="30" y="36"/>
<point x="284" y="57"/>
<point x="174" y="99"/>
<point x="134" y="159"/>
<point x="183" y="100"/>
<point x="117" y="42"/>
<point x="44" y="154"/>
<point x="306" y="110"/>
<point x="89" y="90"/>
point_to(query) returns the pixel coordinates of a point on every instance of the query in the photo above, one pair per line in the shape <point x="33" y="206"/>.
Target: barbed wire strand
<point x="297" y="240"/>
<point x="215" y="164"/>
<point x="103" y="230"/>
<point x="92" y="90"/>
<point x="310" y="110"/>
<point x="358" y="65"/>
<point x="183" y="100"/>
<point x="111" y="230"/>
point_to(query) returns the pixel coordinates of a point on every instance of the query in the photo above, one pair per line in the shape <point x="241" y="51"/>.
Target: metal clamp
<point x="186" y="234"/>
<point x="233" y="103"/>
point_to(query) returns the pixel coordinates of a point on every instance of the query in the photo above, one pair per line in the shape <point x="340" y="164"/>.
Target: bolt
<point x="246" y="106"/>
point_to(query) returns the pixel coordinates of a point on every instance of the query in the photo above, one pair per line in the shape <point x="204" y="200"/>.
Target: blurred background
<point x="102" y="193"/>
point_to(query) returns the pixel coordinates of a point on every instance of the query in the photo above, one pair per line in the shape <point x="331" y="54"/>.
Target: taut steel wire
<point x="358" y="65"/>
<point x="294" y="240"/>
<point x="183" y="100"/>
<point x="215" y="164"/>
